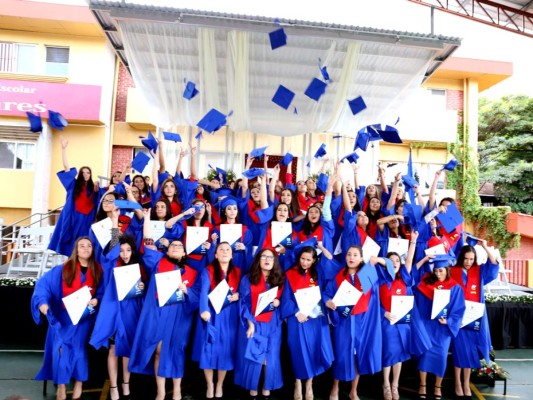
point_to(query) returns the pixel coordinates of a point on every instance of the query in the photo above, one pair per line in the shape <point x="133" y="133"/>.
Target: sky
<point x="478" y="40"/>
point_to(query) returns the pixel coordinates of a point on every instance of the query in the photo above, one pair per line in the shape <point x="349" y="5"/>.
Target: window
<point x="17" y="155"/>
<point x="19" y="58"/>
<point x="57" y="61"/>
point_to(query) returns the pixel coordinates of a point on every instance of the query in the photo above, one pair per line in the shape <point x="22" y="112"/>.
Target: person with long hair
<point x="80" y="206"/>
<point x="440" y="329"/>
<point x="357" y="330"/>
<point x="308" y="334"/>
<point x="65" y="351"/>
<point x="163" y="333"/>
<point x="144" y="192"/>
<point x="215" y="337"/>
<point x="472" y="343"/>
<point x="260" y="331"/>
<point x="374" y="213"/>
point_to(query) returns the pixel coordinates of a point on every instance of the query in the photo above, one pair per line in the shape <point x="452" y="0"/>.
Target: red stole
<point x="252" y="208"/>
<point x="406" y="230"/>
<point x="76" y="283"/>
<point x="318" y="233"/>
<point x="362" y="304"/>
<point x="256" y="290"/>
<point x="302" y="201"/>
<point x="84" y="203"/>
<point x="435" y="241"/>
<point x="372" y="229"/>
<point x="300" y="281"/>
<point x="428" y="290"/>
<point x="188" y="276"/>
<point x="473" y="283"/>
<point x="397" y="288"/>
<point x="175" y="208"/>
<point x="233" y="278"/>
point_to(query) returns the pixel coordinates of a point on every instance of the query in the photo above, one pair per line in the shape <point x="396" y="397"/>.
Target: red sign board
<point x="77" y="102"/>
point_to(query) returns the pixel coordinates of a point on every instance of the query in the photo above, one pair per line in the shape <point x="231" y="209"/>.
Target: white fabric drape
<point x="237" y="71"/>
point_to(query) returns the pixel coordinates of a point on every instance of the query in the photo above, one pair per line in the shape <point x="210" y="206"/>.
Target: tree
<point x="506" y="149"/>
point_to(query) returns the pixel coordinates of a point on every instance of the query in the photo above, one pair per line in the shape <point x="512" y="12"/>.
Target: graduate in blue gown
<point x="472" y="343"/>
<point x="163" y="332"/>
<point x="116" y="322"/>
<point x="259" y="338"/>
<point x="78" y="213"/>
<point x="65" y="351"/>
<point x="308" y="334"/>
<point x="216" y="334"/>
<point x="440" y="329"/>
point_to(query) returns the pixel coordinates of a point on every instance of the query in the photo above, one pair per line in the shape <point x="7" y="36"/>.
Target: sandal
<point x="387" y="394"/>
<point x="115" y="389"/>
<point x="422" y="396"/>
<point x="437" y="396"/>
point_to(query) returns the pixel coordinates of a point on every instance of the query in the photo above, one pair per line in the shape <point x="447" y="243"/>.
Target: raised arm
<point x="194" y="175"/>
<point x="155" y="175"/>
<point x="394" y="191"/>
<point x="161" y="152"/>
<point x="355" y="168"/>
<point x="182" y="154"/>
<point x="382" y="181"/>
<point x="388" y="218"/>
<point x="419" y="198"/>
<point x="273" y="183"/>
<point x="431" y="199"/>
<point x="64" y="145"/>
<point x="491" y="257"/>
<point x="125" y="171"/>
<point x="411" y="252"/>
<point x="263" y="192"/>
<point x="346" y="199"/>
<point x="244" y="182"/>
<point x="129" y="196"/>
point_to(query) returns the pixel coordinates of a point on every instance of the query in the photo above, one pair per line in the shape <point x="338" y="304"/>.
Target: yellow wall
<point x="23" y="182"/>
<point x="425" y="156"/>
<point x="12" y="215"/>
<point x="84" y="149"/>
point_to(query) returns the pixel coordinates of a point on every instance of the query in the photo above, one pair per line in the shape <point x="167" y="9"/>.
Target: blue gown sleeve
<point x="322" y="182"/>
<point x="288" y="302"/>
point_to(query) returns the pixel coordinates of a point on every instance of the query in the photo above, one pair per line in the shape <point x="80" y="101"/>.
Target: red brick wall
<point x="525" y="252"/>
<point x="454" y="101"/>
<point x="120" y="156"/>
<point x="125" y="81"/>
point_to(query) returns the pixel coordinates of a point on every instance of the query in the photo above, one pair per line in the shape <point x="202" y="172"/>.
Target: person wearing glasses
<point x="259" y="338"/>
<point x="163" y="332"/>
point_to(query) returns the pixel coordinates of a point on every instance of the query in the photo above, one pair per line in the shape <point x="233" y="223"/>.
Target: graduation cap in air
<point x="388" y="133"/>
<point x="140" y="162"/>
<point x="450" y="166"/>
<point x="36" y="122"/>
<point x="471" y="239"/>
<point x="451" y="218"/>
<point x="150" y="143"/>
<point x="357" y="105"/>
<point x="287" y="158"/>
<point x="253" y="173"/>
<point x="442" y="261"/>
<point x="199" y="135"/>
<point x="175" y="137"/>
<point x="56" y="120"/>
<point x="258" y="153"/>
<point x="212" y="121"/>
<point x="128" y="205"/>
<point x="409" y="182"/>
<point x="278" y="38"/>
<point x="321" y="152"/>
<point x="351" y="158"/>
<point x="315" y="89"/>
<point x="283" y="97"/>
<point x="220" y="171"/>
<point x="190" y="90"/>
<point x="362" y="140"/>
<point x="197" y="207"/>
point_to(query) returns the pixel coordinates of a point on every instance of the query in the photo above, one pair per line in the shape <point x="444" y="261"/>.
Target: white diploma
<point x="219" y="295"/>
<point x="195" y="237"/>
<point x="347" y="295"/>
<point x="398" y="245"/>
<point x="167" y="284"/>
<point x="400" y="307"/>
<point x="126" y="278"/>
<point x="307" y="299"/>
<point x="481" y="254"/>
<point x="264" y="299"/>
<point x="338" y="248"/>
<point x="438" y="249"/>
<point x="280" y="231"/>
<point x="76" y="303"/>
<point x="441" y="298"/>
<point x="473" y="312"/>
<point x="157" y="229"/>
<point x="370" y="248"/>
<point x="102" y="231"/>
<point x="431" y="215"/>
<point x="230" y="233"/>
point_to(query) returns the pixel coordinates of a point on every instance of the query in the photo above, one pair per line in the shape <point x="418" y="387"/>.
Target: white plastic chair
<point x="30" y="247"/>
<point x="502" y="281"/>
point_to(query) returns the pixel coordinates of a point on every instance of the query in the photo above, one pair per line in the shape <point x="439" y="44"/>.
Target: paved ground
<point x="18" y="365"/>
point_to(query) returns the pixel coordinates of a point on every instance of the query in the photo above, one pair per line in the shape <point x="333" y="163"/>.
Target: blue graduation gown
<point x="170" y="325"/>
<point x="118" y="318"/>
<point x="434" y="359"/>
<point x="71" y="223"/>
<point x="266" y="344"/>
<point x="65" y="349"/>
<point x="309" y="342"/>
<point x="470" y="346"/>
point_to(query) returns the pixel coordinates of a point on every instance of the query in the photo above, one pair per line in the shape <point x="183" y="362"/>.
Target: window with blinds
<point x="57" y="61"/>
<point x="17" y="147"/>
<point x="21" y="58"/>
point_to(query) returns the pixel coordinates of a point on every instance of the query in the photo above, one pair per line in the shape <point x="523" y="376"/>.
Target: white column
<point x="41" y="179"/>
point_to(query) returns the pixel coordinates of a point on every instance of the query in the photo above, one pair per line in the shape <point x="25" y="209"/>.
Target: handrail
<point x="30" y="216"/>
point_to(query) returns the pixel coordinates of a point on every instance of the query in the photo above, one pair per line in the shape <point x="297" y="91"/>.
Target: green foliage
<point x="212" y="174"/>
<point x="492" y="221"/>
<point x="506" y="149"/>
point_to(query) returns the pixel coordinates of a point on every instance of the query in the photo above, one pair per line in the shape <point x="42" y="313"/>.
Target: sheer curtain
<point x="236" y="71"/>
